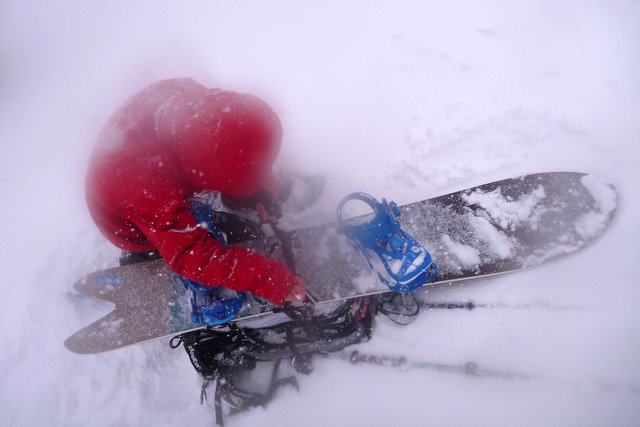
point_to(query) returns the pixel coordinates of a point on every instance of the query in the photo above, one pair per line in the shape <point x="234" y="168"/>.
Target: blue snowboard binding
<point x="211" y="305"/>
<point x="398" y="260"/>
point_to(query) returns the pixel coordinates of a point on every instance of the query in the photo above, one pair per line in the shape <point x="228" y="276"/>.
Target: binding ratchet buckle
<point x="398" y="260"/>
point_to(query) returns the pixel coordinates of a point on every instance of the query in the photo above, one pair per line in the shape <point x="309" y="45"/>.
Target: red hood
<point x="224" y="141"/>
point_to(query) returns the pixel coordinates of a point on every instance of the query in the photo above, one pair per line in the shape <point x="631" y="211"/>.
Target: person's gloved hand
<point x="268" y="207"/>
<point x="268" y="212"/>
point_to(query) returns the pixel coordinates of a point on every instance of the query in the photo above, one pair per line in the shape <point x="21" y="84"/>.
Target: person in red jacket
<point x="168" y="142"/>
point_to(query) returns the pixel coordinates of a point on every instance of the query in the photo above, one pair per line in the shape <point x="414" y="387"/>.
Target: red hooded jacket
<point x="169" y="141"/>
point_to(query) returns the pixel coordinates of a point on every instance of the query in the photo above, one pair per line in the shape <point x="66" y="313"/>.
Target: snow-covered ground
<point x="403" y="99"/>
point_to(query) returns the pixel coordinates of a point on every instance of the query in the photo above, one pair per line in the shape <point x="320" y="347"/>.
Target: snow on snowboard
<point x="491" y="229"/>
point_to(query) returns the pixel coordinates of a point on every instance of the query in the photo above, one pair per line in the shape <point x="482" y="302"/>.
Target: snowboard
<point x="491" y="229"/>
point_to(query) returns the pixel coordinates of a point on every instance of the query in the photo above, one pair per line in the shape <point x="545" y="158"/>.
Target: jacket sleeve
<point x="158" y="208"/>
<point x="193" y="253"/>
